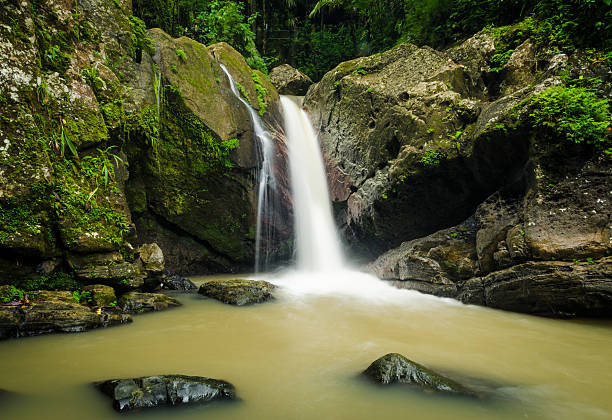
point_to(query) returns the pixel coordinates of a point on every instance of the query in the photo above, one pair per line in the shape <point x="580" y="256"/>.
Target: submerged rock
<point x="395" y="368"/>
<point x="238" y="292"/>
<point x="165" y="390"/>
<point x="176" y="282"/>
<point x="289" y="80"/>
<point x="138" y="303"/>
<point x="52" y="312"/>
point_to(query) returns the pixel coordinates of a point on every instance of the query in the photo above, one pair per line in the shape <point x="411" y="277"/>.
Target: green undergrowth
<point x="261" y="93"/>
<point x="575" y="114"/>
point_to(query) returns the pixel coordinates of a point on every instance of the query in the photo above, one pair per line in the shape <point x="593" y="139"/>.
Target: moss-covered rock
<point x="138" y="303"/>
<point x="395" y="368"/>
<point x="100" y="295"/>
<point x="195" y="190"/>
<point x="238" y="292"/>
<point x="165" y="390"/>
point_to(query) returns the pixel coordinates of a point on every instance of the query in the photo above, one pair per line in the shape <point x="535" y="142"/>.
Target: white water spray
<point x="267" y="181"/>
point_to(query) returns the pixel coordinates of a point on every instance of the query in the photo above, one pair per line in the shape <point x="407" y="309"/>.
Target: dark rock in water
<point x="165" y="390"/>
<point x="138" y="303"/>
<point x="238" y="292"/>
<point x="176" y="282"/>
<point x="53" y="312"/>
<point x="394" y="367"/>
<point x="289" y="81"/>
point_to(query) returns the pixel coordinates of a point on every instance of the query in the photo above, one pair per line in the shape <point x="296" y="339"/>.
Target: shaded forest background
<point x="315" y="36"/>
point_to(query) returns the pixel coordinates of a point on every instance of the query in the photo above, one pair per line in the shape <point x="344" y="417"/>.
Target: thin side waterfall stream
<point x="266" y="182"/>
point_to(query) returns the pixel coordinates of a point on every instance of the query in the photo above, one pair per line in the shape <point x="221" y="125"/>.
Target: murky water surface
<point x="299" y="358"/>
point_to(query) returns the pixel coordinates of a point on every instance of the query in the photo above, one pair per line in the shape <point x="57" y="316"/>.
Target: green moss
<point x="432" y="158"/>
<point x="243" y="93"/>
<point x="181" y="54"/>
<point x="56" y="281"/>
<point x="84" y="205"/>
<point x="261" y="93"/>
<point x="139" y="39"/>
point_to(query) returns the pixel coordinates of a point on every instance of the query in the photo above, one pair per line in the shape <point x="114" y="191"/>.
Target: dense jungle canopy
<point x="315" y="36"/>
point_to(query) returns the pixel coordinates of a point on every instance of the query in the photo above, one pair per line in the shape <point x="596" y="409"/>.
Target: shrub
<point x="573" y="113"/>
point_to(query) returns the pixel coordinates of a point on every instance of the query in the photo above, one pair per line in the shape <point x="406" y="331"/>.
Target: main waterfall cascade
<point x="317" y="243"/>
<point x="321" y="268"/>
<point x="267" y="183"/>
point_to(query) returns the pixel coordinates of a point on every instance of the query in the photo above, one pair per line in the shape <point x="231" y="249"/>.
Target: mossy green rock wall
<point x="85" y="129"/>
<point x="60" y="167"/>
<point x="193" y="192"/>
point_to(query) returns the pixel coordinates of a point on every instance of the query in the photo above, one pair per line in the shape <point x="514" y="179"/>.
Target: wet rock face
<point x="238" y="292"/>
<point x="432" y="264"/>
<point x="165" y="390"/>
<point x="289" y="81"/>
<point x="52" y="312"/>
<point x="395" y="368"/>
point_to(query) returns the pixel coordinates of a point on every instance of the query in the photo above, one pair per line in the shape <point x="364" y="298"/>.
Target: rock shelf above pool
<point x="238" y="292"/>
<point x="66" y="312"/>
<point x="165" y="390"/>
<point x="395" y="368"/>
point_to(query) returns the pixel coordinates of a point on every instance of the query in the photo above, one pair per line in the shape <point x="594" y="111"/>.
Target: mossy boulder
<point x="138" y="303"/>
<point x="395" y="368"/>
<point x="238" y="292"/>
<point x="261" y="98"/>
<point x="101" y="295"/>
<point x="195" y="190"/>
<point x="289" y="80"/>
<point x="165" y="390"/>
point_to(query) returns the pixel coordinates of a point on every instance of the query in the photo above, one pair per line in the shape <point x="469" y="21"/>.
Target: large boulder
<point x="395" y="368"/>
<point x="409" y="145"/>
<point x="238" y="292"/>
<point x="165" y="390"/>
<point x="194" y="192"/>
<point x="289" y="80"/>
<point x="434" y="264"/>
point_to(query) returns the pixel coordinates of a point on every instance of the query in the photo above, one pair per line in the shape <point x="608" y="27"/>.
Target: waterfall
<point x="267" y="183"/>
<point x="317" y="242"/>
<point x="321" y="266"/>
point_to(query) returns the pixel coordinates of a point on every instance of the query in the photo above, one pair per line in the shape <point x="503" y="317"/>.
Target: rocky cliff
<point x="439" y="156"/>
<point x="112" y="136"/>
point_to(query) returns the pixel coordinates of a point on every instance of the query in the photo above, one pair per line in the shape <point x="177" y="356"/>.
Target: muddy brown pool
<point x="299" y="358"/>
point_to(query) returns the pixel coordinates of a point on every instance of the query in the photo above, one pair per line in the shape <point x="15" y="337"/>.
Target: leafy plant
<point x="10" y="294"/>
<point x="573" y="113"/>
<point x="432" y="158"/>
<point x="181" y="54"/>
<point x="261" y="93"/>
